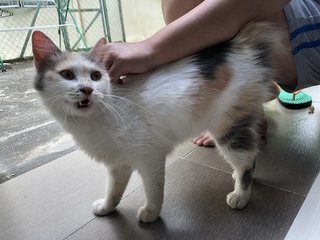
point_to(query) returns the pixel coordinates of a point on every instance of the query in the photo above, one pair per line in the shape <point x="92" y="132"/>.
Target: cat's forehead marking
<point x="77" y="63"/>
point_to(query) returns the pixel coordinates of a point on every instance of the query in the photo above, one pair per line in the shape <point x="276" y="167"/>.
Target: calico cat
<point x="135" y="125"/>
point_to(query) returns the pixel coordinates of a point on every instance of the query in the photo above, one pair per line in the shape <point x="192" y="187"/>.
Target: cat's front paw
<point x="234" y="176"/>
<point x="100" y="207"/>
<point x="146" y="215"/>
<point x="237" y="201"/>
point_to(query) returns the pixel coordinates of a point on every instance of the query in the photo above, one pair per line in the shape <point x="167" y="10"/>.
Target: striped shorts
<point x="303" y="17"/>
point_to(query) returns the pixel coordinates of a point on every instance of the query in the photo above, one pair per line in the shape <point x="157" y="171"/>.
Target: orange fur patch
<point x="209" y="90"/>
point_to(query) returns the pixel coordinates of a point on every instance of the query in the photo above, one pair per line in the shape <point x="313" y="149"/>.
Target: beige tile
<point x="195" y="208"/>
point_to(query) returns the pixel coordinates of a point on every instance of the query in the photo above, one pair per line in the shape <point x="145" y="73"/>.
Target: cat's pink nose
<point x="86" y="90"/>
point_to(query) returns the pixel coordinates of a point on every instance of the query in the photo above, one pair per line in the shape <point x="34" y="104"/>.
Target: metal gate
<point x="73" y="25"/>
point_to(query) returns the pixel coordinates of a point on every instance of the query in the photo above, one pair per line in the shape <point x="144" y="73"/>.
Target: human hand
<point x="122" y="59"/>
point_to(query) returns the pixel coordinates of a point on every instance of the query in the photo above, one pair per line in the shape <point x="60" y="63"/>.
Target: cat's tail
<point x="264" y="37"/>
<point x="261" y="40"/>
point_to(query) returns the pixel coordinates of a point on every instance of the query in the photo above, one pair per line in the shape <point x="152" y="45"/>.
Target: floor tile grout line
<point x="180" y="158"/>
<point x="82" y="226"/>
<point x="205" y="165"/>
<point x="255" y="180"/>
<point x="280" y="188"/>
<point x="131" y="193"/>
<point x="79" y="228"/>
<point x="169" y="167"/>
<point x="188" y="153"/>
<point x="137" y="189"/>
<point x="173" y="164"/>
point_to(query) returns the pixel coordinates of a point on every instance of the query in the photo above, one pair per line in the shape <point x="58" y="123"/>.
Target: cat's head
<point x="69" y="84"/>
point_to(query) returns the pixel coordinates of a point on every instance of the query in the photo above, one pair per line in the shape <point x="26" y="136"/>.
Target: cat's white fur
<point x="134" y="126"/>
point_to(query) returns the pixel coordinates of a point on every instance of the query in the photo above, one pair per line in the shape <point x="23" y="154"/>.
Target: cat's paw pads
<point x="146" y="215"/>
<point x="236" y="201"/>
<point x="99" y="207"/>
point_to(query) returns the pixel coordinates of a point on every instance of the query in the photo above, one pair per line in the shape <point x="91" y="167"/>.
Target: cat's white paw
<point x="146" y="215"/>
<point x="236" y="201"/>
<point x="234" y="175"/>
<point x="100" y="207"/>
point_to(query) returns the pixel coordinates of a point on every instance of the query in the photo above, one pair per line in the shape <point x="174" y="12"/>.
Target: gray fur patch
<point x="49" y="64"/>
<point x="246" y="179"/>
<point x="39" y="82"/>
<point x="241" y="136"/>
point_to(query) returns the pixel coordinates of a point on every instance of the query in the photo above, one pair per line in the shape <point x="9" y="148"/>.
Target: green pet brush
<point x="296" y="100"/>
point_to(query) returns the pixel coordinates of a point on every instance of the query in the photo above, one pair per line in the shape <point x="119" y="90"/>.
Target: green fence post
<point x="63" y="29"/>
<point x="34" y="19"/>
<point x="1" y="65"/>
<point x="121" y="21"/>
<point x="105" y="20"/>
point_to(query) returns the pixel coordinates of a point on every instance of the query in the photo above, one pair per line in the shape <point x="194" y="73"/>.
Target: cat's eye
<point x="67" y="74"/>
<point x="96" y="75"/>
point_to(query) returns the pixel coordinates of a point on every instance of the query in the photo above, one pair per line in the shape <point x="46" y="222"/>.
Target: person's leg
<point x="302" y="17"/>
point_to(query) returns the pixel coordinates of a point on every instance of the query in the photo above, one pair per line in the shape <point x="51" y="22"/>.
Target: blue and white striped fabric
<point x="303" y="17"/>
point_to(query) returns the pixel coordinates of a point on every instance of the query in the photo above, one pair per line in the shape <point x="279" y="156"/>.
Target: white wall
<point x="142" y="18"/>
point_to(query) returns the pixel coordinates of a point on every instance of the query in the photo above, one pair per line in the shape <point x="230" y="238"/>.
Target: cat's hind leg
<point x="117" y="181"/>
<point x="243" y="177"/>
<point x="239" y="144"/>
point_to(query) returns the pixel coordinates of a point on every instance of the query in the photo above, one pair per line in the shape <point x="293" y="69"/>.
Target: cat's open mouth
<point x="84" y="103"/>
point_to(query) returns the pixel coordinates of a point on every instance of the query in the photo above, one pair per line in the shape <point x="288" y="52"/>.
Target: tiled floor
<point x="54" y="200"/>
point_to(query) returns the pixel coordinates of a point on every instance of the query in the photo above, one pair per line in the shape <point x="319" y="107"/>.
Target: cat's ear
<point x="43" y="49"/>
<point x="99" y="50"/>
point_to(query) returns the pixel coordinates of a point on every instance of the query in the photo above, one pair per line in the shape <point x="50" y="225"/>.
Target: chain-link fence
<point x="72" y="24"/>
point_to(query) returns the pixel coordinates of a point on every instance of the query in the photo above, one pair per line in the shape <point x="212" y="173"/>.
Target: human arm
<point x="208" y="23"/>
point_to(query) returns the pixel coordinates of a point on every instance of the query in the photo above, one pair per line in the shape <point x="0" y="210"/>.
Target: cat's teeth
<point x="84" y="103"/>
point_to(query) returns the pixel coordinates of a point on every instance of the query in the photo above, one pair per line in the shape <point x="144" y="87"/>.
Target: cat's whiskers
<point x="53" y="97"/>
<point x="67" y="107"/>
<point x="130" y="103"/>
<point x="127" y="89"/>
<point x="113" y="111"/>
<point x="57" y="99"/>
<point x="63" y="94"/>
<point x="139" y="94"/>
<point x="99" y="98"/>
<point x="71" y="108"/>
<point x="115" y="106"/>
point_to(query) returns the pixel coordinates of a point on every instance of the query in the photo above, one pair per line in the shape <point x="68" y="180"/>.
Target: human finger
<point x="108" y="62"/>
<point x="114" y="73"/>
